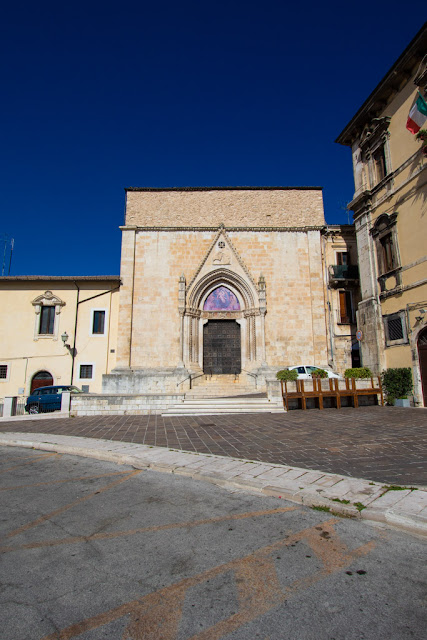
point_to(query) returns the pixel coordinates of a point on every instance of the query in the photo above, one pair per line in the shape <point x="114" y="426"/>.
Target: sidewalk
<point x="404" y="508"/>
<point x="382" y="444"/>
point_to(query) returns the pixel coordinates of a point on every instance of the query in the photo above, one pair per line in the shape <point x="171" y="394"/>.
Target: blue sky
<point x="98" y="96"/>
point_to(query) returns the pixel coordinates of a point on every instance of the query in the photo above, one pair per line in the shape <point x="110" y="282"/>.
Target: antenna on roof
<point x="5" y="239"/>
<point x="12" y="244"/>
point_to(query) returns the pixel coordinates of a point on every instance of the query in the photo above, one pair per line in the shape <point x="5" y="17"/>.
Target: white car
<point x="305" y="371"/>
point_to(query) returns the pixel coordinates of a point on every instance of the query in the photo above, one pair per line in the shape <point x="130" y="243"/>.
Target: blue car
<point x="46" y="399"/>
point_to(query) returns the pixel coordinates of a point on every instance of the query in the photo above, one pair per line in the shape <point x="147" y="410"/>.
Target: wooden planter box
<point x="349" y="389"/>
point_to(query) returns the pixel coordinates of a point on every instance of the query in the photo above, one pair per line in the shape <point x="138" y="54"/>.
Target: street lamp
<point x="64" y="339"/>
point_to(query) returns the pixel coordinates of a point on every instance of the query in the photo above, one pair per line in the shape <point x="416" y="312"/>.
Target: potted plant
<point x="319" y="373"/>
<point x="290" y="375"/>
<point x="398" y="385"/>
<point x="360" y="373"/>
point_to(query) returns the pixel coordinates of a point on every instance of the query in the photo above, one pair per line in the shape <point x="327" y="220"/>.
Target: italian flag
<point x="417" y="115"/>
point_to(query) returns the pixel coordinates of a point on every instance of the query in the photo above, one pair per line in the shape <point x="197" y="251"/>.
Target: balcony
<point x="341" y="275"/>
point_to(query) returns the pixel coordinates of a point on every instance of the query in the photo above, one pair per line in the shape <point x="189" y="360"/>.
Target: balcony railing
<point x="341" y="272"/>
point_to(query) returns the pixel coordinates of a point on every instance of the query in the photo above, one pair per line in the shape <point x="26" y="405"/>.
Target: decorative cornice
<point x="221" y="315"/>
<point x="156" y="189"/>
<point x="60" y="278"/>
<point x="48" y="299"/>
<point x="202" y="229"/>
<point x="402" y="70"/>
<point x="384" y="223"/>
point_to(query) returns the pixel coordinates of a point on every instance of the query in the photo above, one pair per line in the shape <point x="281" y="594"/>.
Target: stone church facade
<point x="218" y="287"/>
<point x="221" y="281"/>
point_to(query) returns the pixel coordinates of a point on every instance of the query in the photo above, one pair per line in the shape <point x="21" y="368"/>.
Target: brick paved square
<point x="383" y="444"/>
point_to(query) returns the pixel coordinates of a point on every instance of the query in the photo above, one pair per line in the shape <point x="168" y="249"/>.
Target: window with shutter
<point x="346" y="307"/>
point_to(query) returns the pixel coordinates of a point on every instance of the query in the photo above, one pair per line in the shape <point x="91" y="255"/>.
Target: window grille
<point x="395" y="329"/>
<point x="3" y="371"/>
<point x="86" y="371"/>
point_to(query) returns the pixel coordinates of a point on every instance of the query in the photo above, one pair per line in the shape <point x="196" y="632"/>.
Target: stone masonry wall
<point x="292" y="266"/>
<point x="231" y="207"/>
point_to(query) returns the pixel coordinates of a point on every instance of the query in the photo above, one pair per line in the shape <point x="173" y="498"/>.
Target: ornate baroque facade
<point x="390" y="213"/>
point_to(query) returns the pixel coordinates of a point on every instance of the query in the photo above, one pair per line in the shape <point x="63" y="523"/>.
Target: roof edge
<point x="66" y="278"/>
<point x="223" y="189"/>
<point x="405" y="56"/>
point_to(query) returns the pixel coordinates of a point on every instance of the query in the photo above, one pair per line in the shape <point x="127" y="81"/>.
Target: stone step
<point x="219" y="412"/>
<point x="226" y="401"/>
<point x="218" y="393"/>
<point x="224" y="405"/>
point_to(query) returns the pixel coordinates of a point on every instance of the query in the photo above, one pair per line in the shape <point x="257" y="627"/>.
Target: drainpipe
<point x="73" y="354"/>
<point x="79" y="302"/>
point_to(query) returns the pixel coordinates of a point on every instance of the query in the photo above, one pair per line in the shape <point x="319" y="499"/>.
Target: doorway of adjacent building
<point x="41" y="379"/>
<point x="422" y="356"/>
<point x="222" y="347"/>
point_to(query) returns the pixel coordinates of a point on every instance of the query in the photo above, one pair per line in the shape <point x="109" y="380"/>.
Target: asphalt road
<point x="95" y="550"/>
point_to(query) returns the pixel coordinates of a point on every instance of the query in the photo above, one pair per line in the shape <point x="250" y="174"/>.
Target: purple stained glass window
<point x="221" y="299"/>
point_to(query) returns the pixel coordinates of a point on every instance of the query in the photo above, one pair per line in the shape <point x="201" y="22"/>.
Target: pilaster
<point x="127" y="275"/>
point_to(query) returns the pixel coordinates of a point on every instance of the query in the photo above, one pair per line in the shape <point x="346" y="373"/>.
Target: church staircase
<point x="224" y="394"/>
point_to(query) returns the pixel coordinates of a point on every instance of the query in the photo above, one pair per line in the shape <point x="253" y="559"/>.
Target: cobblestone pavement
<point x="384" y="444"/>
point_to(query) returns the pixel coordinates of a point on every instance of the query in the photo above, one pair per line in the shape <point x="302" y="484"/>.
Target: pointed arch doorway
<point x="222" y="322"/>
<point x="221" y="337"/>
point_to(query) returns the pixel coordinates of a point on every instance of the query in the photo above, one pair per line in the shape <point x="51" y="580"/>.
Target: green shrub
<point x="320" y="373"/>
<point x="290" y="375"/>
<point x="397" y="383"/>
<point x="358" y="372"/>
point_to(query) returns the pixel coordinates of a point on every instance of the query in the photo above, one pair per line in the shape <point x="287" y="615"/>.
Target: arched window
<point x="221" y="299"/>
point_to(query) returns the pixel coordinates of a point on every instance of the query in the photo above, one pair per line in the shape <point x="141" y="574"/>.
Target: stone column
<point x="181" y="309"/>
<point x="263" y="309"/>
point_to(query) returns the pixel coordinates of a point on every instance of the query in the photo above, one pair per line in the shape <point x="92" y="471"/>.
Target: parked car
<point x="305" y="371"/>
<point x="46" y="399"/>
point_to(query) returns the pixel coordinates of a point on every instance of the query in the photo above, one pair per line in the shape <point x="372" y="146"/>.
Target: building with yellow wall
<point x="238" y="281"/>
<point x="390" y="215"/>
<point x="37" y="311"/>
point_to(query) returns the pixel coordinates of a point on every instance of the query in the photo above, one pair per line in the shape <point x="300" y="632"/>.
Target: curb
<point x="404" y="508"/>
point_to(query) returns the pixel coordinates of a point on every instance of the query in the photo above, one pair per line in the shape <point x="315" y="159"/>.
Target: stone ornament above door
<point x="221" y="253"/>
